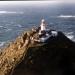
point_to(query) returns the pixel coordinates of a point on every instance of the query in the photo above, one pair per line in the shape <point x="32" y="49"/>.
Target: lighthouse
<point x="42" y="27"/>
<point x="43" y="33"/>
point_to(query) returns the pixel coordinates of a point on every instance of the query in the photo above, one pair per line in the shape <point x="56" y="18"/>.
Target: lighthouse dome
<point x="43" y="20"/>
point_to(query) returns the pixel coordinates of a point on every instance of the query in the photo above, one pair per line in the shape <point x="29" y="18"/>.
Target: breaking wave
<point x="10" y="12"/>
<point x="19" y="25"/>
<point x="2" y="44"/>
<point x="8" y="30"/>
<point x="66" y="16"/>
<point x="1" y="26"/>
<point x="70" y="36"/>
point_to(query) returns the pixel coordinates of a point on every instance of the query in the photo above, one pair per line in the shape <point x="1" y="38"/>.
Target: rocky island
<point x="28" y="55"/>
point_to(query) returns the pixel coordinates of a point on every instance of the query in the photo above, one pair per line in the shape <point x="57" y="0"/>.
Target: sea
<point x="14" y="20"/>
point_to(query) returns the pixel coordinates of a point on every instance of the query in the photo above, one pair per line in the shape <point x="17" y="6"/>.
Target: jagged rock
<point x="55" y="57"/>
<point x="13" y="55"/>
<point x="24" y="57"/>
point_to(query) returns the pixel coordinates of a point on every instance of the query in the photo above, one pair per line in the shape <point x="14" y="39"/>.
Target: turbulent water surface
<point x="13" y="22"/>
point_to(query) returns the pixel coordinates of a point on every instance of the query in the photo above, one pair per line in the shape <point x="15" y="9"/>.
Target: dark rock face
<point x="56" y="57"/>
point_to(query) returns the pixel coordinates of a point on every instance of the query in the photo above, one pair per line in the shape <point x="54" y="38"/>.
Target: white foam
<point x="1" y="26"/>
<point x="19" y="25"/>
<point x="8" y="30"/>
<point x="2" y="44"/>
<point x="70" y="35"/>
<point x="66" y="16"/>
<point x="10" y="12"/>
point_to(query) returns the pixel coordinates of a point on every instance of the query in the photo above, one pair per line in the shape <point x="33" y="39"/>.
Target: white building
<point x="43" y="25"/>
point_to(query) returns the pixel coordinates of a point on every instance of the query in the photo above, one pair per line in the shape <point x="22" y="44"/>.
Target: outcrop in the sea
<point x="26" y="57"/>
<point x="14" y="53"/>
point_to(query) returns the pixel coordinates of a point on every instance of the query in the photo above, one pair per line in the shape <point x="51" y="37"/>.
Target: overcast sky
<point x="35" y="2"/>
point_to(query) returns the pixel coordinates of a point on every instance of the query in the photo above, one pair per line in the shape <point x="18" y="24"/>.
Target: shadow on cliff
<point x="55" y="57"/>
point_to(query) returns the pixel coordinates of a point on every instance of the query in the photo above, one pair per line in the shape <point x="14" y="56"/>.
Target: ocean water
<point x="14" y="21"/>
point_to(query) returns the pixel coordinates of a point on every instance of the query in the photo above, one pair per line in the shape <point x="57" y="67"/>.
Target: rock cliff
<point x="26" y="57"/>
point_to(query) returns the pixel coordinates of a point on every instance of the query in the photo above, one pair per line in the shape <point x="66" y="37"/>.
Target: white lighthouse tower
<point x="43" y="25"/>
